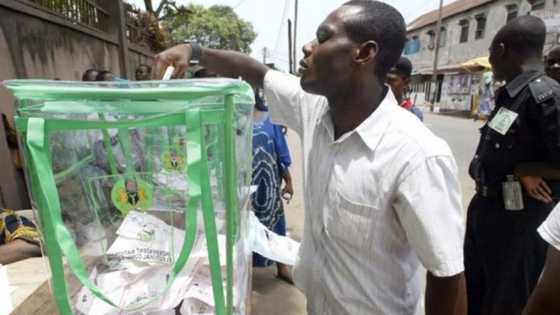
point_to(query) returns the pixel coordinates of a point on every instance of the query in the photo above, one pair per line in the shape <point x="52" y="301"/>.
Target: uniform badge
<point x="503" y="120"/>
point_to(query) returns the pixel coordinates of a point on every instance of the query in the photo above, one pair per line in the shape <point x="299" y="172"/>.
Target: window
<point x="412" y="45"/>
<point x="512" y="12"/>
<point x="480" y="26"/>
<point x="537" y="4"/>
<point x="464" y="31"/>
<point x="442" y="36"/>
<point x="431" y="39"/>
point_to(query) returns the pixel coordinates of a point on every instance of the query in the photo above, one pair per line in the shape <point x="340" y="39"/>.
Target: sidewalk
<point x="270" y="295"/>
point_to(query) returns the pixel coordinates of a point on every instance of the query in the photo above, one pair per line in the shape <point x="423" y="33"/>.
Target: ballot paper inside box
<point x="141" y="191"/>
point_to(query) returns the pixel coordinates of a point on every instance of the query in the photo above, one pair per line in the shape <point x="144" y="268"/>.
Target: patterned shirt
<point x="13" y="227"/>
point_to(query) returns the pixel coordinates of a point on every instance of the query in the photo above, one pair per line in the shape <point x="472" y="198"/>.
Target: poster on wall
<point x="456" y="92"/>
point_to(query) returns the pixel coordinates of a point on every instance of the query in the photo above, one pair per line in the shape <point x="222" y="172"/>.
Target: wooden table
<point x="29" y="280"/>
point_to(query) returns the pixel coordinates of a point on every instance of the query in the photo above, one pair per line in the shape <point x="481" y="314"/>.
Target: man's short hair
<point x="554" y="53"/>
<point x="90" y="74"/>
<point x="403" y="67"/>
<point x="148" y="67"/>
<point x="105" y="75"/>
<point x="381" y="23"/>
<point x="524" y="35"/>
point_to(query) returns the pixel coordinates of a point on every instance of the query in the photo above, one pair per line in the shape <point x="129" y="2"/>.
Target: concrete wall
<point x="453" y="52"/>
<point x="39" y="45"/>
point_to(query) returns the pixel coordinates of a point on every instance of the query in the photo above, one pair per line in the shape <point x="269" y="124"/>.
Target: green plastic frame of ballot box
<point x="35" y="132"/>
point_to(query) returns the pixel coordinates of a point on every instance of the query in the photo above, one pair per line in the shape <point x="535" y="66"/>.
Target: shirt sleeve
<point x="430" y="210"/>
<point x="287" y="101"/>
<point x="550" y="229"/>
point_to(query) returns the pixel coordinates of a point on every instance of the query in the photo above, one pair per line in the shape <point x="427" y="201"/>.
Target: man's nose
<point x="308" y="48"/>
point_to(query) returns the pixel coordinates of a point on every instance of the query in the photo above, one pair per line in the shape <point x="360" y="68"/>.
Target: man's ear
<point x="366" y="53"/>
<point x="501" y="50"/>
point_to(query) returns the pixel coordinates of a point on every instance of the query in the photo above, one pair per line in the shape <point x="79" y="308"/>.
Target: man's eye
<point x="322" y="37"/>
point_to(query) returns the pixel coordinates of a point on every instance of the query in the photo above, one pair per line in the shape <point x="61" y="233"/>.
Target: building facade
<point x="467" y="29"/>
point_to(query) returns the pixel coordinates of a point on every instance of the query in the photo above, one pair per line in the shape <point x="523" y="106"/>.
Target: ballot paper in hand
<point x="263" y="241"/>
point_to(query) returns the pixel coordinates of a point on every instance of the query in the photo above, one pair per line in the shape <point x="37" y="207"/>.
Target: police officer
<point x="504" y="255"/>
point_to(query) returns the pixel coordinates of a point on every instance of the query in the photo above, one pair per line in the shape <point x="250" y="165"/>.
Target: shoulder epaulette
<point x="543" y="88"/>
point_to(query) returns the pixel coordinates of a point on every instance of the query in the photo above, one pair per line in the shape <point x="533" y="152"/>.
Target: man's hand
<point x="228" y="64"/>
<point x="288" y="192"/>
<point x="537" y="188"/>
<point x="177" y="56"/>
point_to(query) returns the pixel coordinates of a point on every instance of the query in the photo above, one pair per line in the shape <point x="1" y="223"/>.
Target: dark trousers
<point x="504" y="255"/>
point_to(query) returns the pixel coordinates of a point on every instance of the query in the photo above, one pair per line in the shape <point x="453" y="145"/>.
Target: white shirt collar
<point x="370" y="130"/>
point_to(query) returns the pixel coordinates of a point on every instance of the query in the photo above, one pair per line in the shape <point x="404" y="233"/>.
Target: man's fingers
<point x="545" y="186"/>
<point x="541" y="195"/>
<point x="180" y="71"/>
<point x="535" y="194"/>
<point x="160" y="65"/>
<point x="543" y="192"/>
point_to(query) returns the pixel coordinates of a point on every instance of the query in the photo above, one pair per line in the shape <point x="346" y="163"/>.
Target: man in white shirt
<point x="544" y="299"/>
<point x="381" y="192"/>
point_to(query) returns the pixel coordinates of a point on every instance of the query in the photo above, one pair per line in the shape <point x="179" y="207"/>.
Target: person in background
<point x="553" y="63"/>
<point x="90" y="75"/>
<point x="486" y="96"/>
<point x="271" y="162"/>
<point x="143" y="72"/>
<point x="398" y="79"/>
<point x="105" y="75"/>
<point x="544" y="299"/>
<point x="504" y="255"/>
<point x="19" y="238"/>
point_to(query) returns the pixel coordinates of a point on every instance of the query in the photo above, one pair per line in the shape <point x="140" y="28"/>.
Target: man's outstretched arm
<point x="18" y="250"/>
<point x="446" y="295"/>
<point x="225" y="63"/>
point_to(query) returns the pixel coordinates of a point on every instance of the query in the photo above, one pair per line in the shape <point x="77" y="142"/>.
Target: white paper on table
<point x="5" y="295"/>
<point x="281" y="249"/>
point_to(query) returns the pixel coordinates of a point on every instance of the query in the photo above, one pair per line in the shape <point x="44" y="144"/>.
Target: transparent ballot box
<point x="141" y="191"/>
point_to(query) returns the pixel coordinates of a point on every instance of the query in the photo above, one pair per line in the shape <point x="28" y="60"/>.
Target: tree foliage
<point x="214" y="27"/>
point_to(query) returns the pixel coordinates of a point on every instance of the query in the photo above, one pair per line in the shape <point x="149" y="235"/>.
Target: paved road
<point x="273" y="297"/>
<point x="462" y="136"/>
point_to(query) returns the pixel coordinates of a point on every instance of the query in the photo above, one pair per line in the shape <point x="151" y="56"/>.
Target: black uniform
<point x="504" y="255"/>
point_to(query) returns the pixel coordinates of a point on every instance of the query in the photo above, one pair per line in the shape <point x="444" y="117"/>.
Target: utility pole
<point x="290" y="54"/>
<point x="265" y="54"/>
<point x="294" y="59"/>
<point x="436" y="56"/>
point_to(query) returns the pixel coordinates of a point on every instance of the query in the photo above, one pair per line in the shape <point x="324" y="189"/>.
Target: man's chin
<point x="308" y="85"/>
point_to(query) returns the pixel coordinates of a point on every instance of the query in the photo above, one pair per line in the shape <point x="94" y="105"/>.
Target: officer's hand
<point x="537" y="188"/>
<point x="177" y="56"/>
